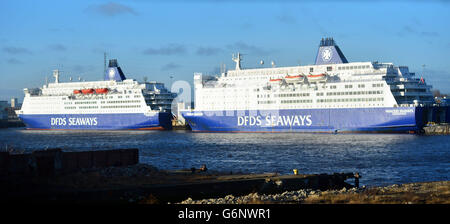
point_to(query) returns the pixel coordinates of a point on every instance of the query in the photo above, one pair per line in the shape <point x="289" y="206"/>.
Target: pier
<point x="437" y="129"/>
<point x="116" y="176"/>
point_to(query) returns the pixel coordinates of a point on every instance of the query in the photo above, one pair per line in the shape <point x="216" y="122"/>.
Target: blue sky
<point x="157" y="39"/>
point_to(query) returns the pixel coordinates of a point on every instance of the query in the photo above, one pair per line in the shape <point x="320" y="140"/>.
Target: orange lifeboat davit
<point x="87" y="91"/>
<point x="317" y="78"/>
<point x="77" y="91"/>
<point x="101" y="90"/>
<point x="294" y="78"/>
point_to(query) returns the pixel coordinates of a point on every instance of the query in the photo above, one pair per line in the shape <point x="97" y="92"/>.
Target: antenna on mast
<point x="104" y="62"/>
<point x="56" y="75"/>
<point x="237" y="59"/>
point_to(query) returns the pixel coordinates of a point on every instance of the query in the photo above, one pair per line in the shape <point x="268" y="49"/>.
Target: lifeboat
<point x="87" y="91"/>
<point x="101" y="90"/>
<point x="317" y="78"/>
<point x="275" y="80"/>
<point x="77" y="91"/>
<point x="294" y="78"/>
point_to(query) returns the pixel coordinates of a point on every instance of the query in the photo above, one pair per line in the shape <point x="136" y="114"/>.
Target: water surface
<point x="381" y="159"/>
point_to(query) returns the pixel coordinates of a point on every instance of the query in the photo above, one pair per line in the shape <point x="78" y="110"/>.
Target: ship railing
<point x="412" y="93"/>
<point x="421" y="104"/>
<point x="352" y="80"/>
<point x="407" y="86"/>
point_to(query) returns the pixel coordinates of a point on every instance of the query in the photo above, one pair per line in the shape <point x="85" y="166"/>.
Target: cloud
<point x="208" y="51"/>
<point x="246" y="26"/>
<point x="111" y="9"/>
<point x="411" y="30"/>
<point x="54" y="29"/>
<point x="170" y="66"/>
<point x="216" y="70"/>
<point x="247" y="48"/>
<point x="14" y="61"/>
<point x="57" y="47"/>
<point x="11" y="93"/>
<point x="437" y="78"/>
<point x="171" y="49"/>
<point x="82" y="68"/>
<point x="16" y="50"/>
<point x="430" y="34"/>
<point x="287" y="19"/>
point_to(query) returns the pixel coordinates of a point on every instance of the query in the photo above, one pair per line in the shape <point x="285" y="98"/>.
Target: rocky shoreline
<point x="146" y="184"/>
<point x="411" y="193"/>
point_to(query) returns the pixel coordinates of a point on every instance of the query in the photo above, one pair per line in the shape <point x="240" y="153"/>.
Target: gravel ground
<point x="255" y="198"/>
<point x="413" y="193"/>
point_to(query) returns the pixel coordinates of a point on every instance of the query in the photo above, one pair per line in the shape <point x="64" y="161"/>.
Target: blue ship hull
<point x="393" y="119"/>
<point x="159" y="121"/>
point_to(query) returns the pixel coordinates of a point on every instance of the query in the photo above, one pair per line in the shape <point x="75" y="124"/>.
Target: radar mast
<point x="237" y="60"/>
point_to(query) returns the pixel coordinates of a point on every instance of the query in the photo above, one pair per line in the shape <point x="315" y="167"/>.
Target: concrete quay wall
<point x="52" y="161"/>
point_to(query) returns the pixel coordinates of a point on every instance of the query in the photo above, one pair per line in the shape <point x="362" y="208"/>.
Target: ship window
<point x="311" y="69"/>
<point x="329" y="68"/>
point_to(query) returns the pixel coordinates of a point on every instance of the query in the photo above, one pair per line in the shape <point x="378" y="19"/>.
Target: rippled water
<point x="381" y="159"/>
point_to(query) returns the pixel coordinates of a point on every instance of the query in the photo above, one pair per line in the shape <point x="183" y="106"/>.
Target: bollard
<point x="357" y="180"/>
<point x="203" y="168"/>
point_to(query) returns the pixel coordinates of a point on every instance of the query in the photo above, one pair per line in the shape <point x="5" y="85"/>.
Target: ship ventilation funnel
<point x="114" y="72"/>
<point x="329" y="53"/>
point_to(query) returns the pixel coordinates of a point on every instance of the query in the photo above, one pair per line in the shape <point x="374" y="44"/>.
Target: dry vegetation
<point x="415" y="193"/>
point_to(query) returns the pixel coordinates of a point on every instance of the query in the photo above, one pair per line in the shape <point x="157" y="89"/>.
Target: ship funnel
<point x="114" y="72"/>
<point x="329" y="53"/>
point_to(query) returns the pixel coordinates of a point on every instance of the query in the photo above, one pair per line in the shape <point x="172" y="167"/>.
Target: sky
<point x="159" y="39"/>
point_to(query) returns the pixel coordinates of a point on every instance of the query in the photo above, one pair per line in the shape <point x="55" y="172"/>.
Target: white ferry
<point x="333" y="95"/>
<point x="114" y="103"/>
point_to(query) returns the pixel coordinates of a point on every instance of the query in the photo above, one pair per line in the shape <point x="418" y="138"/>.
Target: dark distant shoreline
<point x="11" y="124"/>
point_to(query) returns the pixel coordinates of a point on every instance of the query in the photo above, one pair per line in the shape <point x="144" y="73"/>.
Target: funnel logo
<point x="327" y="54"/>
<point x="111" y="73"/>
